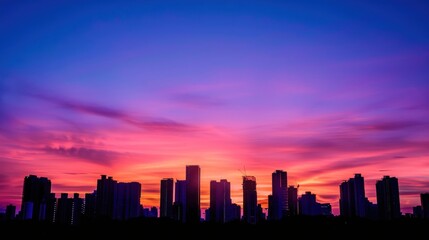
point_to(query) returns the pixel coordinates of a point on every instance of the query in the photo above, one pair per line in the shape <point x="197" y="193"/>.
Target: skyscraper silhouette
<point x="292" y="196"/>
<point x="424" y="198"/>
<point x="90" y="203"/>
<point x="64" y="209"/>
<point x="127" y="200"/>
<point x="279" y="199"/>
<point x="179" y="206"/>
<point x="388" y="198"/>
<point x="51" y="205"/>
<point x="220" y="201"/>
<point x="193" y="175"/>
<point x="250" y="201"/>
<point x="77" y="209"/>
<point x="35" y="196"/>
<point x="106" y="188"/>
<point x="352" y="197"/>
<point x="166" y="198"/>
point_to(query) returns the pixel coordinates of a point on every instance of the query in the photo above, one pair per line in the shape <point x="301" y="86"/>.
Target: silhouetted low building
<point x="371" y="210"/>
<point x="424" y="198"/>
<point x="261" y="216"/>
<point x="310" y="207"/>
<point x="235" y="212"/>
<point x="417" y="212"/>
<point x="10" y="212"/>
<point x="207" y="215"/>
<point x="325" y="209"/>
<point x="150" y="212"/>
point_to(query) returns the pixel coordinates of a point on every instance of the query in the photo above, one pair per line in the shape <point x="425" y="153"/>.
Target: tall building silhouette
<point x="250" y="204"/>
<point x="64" y="209"/>
<point x="77" y="210"/>
<point x="90" y="203"/>
<point x="127" y="200"/>
<point x="106" y="188"/>
<point x="179" y="206"/>
<point x="220" y="201"/>
<point x="388" y="198"/>
<point x="193" y="176"/>
<point x="166" y="198"/>
<point x="424" y="198"/>
<point x="69" y="210"/>
<point x="352" y="197"/>
<point x="51" y="206"/>
<point x="292" y="196"/>
<point x="279" y="205"/>
<point x="35" y="196"/>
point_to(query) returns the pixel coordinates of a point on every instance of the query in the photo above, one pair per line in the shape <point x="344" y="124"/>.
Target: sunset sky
<point x="138" y="90"/>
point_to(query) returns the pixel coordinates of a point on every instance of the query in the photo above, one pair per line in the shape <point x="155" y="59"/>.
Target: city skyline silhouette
<point x="138" y="90"/>
<point x="113" y="200"/>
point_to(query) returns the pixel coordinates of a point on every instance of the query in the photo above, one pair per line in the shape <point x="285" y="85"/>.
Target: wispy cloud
<point x="390" y="125"/>
<point x="340" y="135"/>
<point x="194" y="100"/>
<point x="96" y="156"/>
<point x="146" y="123"/>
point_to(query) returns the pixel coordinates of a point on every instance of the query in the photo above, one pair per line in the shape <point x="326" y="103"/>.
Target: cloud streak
<point x="102" y="157"/>
<point x="147" y="123"/>
<point x="196" y="100"/>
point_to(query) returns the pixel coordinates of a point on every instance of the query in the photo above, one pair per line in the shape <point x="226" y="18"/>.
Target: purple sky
<point x="140" y="89"/>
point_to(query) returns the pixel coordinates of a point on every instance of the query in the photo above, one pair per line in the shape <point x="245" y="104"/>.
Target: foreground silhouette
<point x="333" y="227"/>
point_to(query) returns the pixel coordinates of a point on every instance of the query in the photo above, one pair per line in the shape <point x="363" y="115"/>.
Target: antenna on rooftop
<point x="243" y="172"/>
